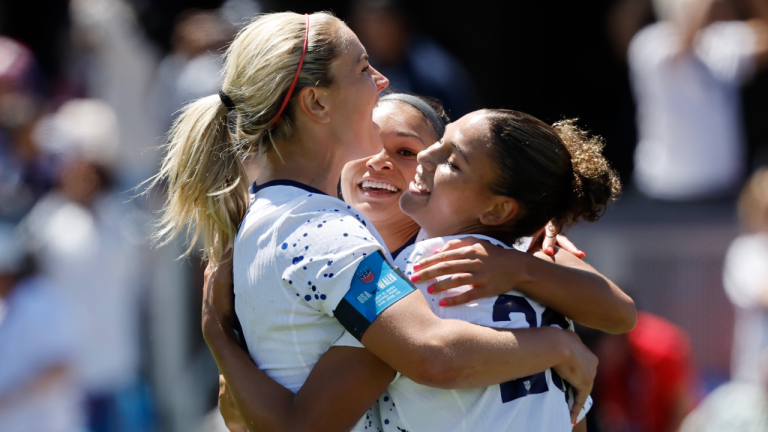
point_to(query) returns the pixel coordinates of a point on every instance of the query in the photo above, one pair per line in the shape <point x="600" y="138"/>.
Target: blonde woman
<point x="299" y="92"/>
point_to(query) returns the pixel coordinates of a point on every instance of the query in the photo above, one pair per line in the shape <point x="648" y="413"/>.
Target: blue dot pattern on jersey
<point x="298" y="259"/>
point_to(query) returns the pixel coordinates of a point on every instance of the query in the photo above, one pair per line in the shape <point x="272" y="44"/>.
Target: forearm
<point x="264" y="404"/>
<point x="478" y="356"/>
<point x="343" y="385"/>
<point x="456" y="354"/>
<point x="581" y="426"/>
<point x="576" y="290"/>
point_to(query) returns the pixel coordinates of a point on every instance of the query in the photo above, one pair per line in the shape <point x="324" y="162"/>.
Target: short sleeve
<point x="745" y="274"/>
<point x="728" y="50"/>
<point x="318" y="254"/>
<point x="348" y="340"/>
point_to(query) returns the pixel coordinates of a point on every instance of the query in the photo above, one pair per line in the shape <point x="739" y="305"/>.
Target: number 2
<point x="536" y="383"/>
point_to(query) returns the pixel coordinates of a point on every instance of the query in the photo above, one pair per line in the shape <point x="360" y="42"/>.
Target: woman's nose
<point x="381" y="81"/>
<point x="426" y="157"/>
<point x="380" y="162"/>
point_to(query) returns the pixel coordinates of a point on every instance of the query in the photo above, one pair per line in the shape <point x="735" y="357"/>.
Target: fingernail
<point x="582" y="254"/>
<point x="431" y="290"/>
<point x="416" y="266"/>
<point x="574" y="422"/>
<point x="550" y="250"/>
<point x="415" y="278"/>
<point x="443" y="303"/>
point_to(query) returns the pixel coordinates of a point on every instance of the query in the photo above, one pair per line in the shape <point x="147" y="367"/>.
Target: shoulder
<point x="731" y="32"/>
<point x="323" y="225"/>
<point x="652" y="40"/>
<point x="728" y="48"/>
<point x="319" y="247"/>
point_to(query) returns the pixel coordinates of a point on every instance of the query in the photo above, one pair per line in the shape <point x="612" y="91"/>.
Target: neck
<point x="308" y="158"/>
<point x="396" y="234"/>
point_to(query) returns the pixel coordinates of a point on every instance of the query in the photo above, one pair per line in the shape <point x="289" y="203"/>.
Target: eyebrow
<point x="363" y="57"/>
<point x="410" y="135"/>
<point x="461" y="152"/>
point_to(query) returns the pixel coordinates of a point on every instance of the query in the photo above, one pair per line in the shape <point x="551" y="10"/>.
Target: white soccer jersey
<point x="295" y="257"/>
<point x="530" y="404"/>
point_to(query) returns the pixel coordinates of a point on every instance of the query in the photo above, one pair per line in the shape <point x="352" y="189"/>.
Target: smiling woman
<point x="506" y="174"/>
<point x="307" y="266"/>
<point x="373" y="185"/>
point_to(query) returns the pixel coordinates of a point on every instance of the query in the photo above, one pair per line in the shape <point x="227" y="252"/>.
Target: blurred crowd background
<point x="100" y="332"/>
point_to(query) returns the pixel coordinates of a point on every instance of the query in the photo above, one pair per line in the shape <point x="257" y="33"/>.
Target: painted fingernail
<point x="550" y="250"/>
<point x="443" y="303"/>
<point x="416" y="266"/>
<point x="415" y="278"/>
<point x="582" y="254"/>
<point x="574" y="422"/>
<point x="431" y="290"/>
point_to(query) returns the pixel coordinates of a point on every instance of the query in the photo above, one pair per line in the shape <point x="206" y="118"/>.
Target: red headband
<point x="298" y="71"/>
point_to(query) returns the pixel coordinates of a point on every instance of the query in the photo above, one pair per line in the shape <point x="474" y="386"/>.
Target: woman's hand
<point x="546" y="240"/>
<point x="232" y="418"/>
<point x="489" y="269"/>
<point x="578" y="370"/>
<point x="218" y="297"/>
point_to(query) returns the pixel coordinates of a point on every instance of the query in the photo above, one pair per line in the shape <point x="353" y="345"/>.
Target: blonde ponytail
<point x="207" y="183"/>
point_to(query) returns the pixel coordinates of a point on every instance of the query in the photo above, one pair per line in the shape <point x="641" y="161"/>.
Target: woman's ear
<point x="315" y="102"/>
<point x="500" y="212"/>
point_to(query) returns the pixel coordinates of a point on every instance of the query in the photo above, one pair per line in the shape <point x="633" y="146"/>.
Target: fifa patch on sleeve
<point x="375" y="286"/>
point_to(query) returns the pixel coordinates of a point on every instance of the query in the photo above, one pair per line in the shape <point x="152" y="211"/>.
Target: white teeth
<point x="420" y="183"/>
<point x="368" y="184"/>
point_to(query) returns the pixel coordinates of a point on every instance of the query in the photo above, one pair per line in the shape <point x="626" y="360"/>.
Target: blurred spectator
<point x="645" y="380"/>
<point x="26" y="173"/>
<point x="735" y="406"/>
<point x="37" y="347"/>
<point x="686" y="72"/>
<point x="413" y="62"/>
<point x="193" y="69"/>
<point x="746" y="280"/>
<point x="112" y="61"/>
<point x="87" y="241"/>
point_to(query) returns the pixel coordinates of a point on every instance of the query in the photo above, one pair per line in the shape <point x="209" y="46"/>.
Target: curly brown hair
<point x="556" y="173"/>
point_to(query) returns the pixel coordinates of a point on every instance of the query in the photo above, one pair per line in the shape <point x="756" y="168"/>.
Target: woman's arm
<point x="573" y="287"/>
<point x="346" y="381"/>
<point x="343" y="385"/>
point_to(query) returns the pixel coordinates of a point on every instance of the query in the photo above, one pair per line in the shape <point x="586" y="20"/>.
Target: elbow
<point x="624" y="320"/>
<point x="436" y="366"/>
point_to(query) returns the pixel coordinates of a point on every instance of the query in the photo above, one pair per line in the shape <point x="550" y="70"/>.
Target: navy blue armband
<point x="375" y="286"/>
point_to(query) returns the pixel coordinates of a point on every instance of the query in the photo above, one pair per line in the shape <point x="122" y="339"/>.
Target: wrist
<point x="562" y="345"/>
<point x="523" y="274"/>
<point x="214" y="331"/>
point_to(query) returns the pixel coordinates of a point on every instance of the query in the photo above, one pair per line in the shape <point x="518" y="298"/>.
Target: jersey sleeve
<point x="348" y="340"/>
<point x="331" y="260"/>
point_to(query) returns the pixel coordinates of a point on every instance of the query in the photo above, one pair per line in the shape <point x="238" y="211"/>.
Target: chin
<point x="413" y="205"/>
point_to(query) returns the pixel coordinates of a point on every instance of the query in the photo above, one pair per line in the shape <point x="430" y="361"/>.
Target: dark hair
<point x="556" y="173"/>
<point x="435" y="103"/>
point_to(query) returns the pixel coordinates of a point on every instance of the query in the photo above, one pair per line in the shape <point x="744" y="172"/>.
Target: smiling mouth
<point x="378" y="187"/>
<point x="419" y="184"/>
